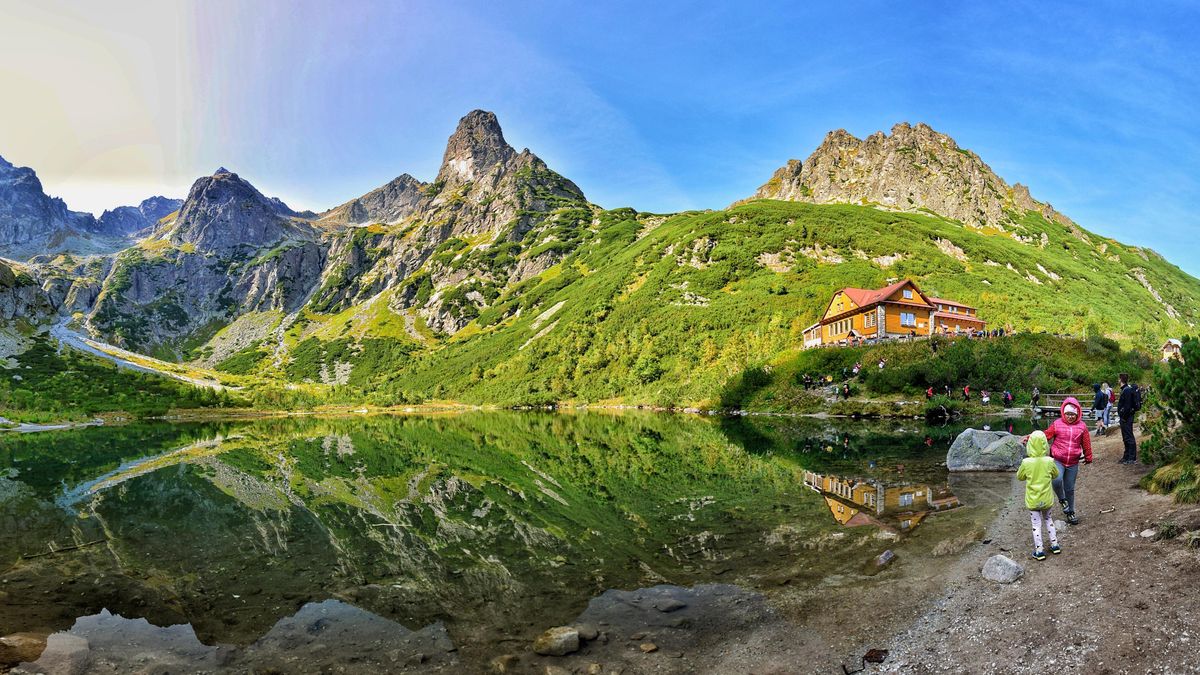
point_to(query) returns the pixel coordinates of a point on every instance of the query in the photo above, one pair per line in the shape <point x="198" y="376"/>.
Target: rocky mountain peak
<point x="914" y="167"/>
<point x="126" y="220"/>
<point x="475" y="148"/>
<point x="221" y="170"/>
<point x="224" y="211"/>
<point x="29" y="218"/>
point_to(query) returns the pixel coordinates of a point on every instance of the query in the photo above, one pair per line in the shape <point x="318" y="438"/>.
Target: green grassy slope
<point x="48" y="386"/>
<point x="667" y="312"/>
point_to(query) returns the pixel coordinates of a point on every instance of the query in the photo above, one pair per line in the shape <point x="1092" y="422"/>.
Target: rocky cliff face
<point x="223" y="213"/>
<point x="389" y="204"/>
<point x="913" y="168"/>
<point x="21" y="298"/>
<point x="128" y="220"/>
<point x="230" y="250"/>
<point x="29" y="218"/>
<point x="468" y="233"/>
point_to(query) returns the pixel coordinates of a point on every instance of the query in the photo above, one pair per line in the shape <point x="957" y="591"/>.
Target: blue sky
<point x="661" y="106"/>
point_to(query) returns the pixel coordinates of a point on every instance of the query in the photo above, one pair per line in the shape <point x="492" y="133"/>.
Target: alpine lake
<point x="397" y="543"/>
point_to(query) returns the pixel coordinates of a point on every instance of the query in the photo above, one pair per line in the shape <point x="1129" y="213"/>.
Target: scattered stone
<point x="976" y="450"/>
<point x="648" y="647"/>
<point x="1146" y="534"/>
<point x="884" y="559"/>
<point x="558" y="641"/>
<point x="1002" y="569"/>
<point x="1060" y="524"/>
<point x="637" y="636"/>
<point x="505" y="663"/>
<point x="20" y="647"/>
<point x="588" y="632"/>
<point x="557" y="670"/>
<point x="64" y="653"/>
<point x="595" y="669"/>
<point x="875" y="655"/>
<point x="669" y="605"/>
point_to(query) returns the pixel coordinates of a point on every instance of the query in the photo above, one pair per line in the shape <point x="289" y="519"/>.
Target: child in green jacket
<point x="1038" y="469"/>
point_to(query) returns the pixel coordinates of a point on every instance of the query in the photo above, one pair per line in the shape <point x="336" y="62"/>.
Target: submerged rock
<point x="558" y="641"/>
<point x="976" y="450"/>
<point x="1002" y="569"/>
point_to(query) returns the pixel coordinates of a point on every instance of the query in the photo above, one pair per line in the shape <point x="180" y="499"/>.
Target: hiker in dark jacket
<point x="1099" y="403"/>
<point x="1127" y="407"/>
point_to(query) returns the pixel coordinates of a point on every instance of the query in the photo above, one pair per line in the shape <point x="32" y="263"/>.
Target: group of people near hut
<point x="1053" y="456"/>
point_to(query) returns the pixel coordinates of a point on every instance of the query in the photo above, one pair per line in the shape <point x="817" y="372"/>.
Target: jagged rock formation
<point x="223" y="213"/>
<point x="442" y="250"/>
<point x="913" y="168"/>
<point x="486" y="191"/>
<point x="230" y="250"/>
<point x="389" y="204"/>
<point x="128" y="220"/>
<point x="21" y="297"/>
<point x="29" y="218"/>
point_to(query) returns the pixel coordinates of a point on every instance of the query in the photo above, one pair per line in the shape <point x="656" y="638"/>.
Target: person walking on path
<point x="1034" y="397"/>
<point x="1039" y="471"/>
<point x="1099" y="404"/>
<point x="1127" y="407"/>
<point x="966" y="392"/>
<point x="1072" y="441"/>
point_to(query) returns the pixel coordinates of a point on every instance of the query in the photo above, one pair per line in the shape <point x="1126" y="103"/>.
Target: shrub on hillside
<point x="1173" y="423"/>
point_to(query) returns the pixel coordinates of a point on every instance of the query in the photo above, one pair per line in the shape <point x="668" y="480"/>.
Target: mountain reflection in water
<point x="497" y="525"/>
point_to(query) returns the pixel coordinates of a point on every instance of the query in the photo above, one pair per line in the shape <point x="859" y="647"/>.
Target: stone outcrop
<point x="976" y="450"/>
<point x="486" y="191"/>
<point x="21" y="297"/>
<point x="230" y="250"/>
<point x="911" y="169"/>
<point x="29" y="218"/>
<point x="128" y="220"/>
<point x="388" y="204"/>
<point x="224" y="213"/>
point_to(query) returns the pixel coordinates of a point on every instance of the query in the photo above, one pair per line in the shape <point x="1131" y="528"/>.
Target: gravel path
<point x="1112" y="602"/>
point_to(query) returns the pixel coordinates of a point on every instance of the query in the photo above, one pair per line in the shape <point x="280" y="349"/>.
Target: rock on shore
<point x="976" y="450"/>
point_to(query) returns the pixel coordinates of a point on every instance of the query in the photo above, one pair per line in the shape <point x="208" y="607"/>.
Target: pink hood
<point x="1073" y="401"/>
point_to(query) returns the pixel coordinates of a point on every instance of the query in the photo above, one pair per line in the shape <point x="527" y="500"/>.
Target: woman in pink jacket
<point x="1070" y="442"/>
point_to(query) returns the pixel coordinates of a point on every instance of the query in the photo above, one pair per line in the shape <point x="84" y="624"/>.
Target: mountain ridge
<point x="912" y="168"/>
<point x="499" y="281"/>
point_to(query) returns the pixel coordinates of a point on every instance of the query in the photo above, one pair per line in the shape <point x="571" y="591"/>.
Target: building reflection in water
<point x="896" y="508"/>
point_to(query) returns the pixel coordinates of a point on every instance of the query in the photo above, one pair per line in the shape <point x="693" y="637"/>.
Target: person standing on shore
<point x="1127" y="407"/>
<point x="1072" y="441"/>
<point x="1039" y="471"/>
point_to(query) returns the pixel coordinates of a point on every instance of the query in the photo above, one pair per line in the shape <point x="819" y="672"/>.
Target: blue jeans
<point x="1064" y="485"/>
<point x="1106" y="414"/>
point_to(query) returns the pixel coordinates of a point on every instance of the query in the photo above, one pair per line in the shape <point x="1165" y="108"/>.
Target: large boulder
<point x="976" y="450"/>
<point x="1002" y="569"/>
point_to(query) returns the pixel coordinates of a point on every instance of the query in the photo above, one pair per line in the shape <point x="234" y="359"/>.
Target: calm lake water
<point x="437" y="541"/>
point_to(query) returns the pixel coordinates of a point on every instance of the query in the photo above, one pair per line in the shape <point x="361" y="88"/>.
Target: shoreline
<point x="1118" y="599"/>
<point x="115" y="418"/>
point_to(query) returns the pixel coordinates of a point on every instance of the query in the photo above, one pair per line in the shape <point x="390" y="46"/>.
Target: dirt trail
<point x="127" y="359"/>
<point x="1112" y="602"/>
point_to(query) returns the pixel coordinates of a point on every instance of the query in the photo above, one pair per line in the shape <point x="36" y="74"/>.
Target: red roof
<point x="863" y="297"/>
<point x="944" y="301"/>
